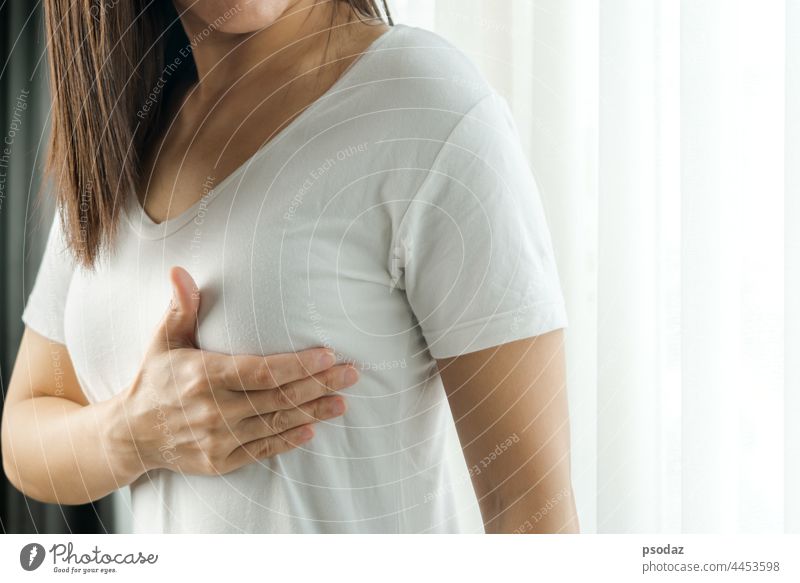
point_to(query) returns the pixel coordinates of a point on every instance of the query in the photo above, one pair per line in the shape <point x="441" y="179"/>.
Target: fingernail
<point x="350" y="375"/>
<point x="337" y="407"/>
<point x="306" y="433"/>
<point x="327" y="359"/>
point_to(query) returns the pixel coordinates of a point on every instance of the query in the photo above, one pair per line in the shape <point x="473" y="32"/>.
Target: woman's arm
<point x="510" y="407"/>
<point x="187" y="410"/>
<point x="55" y="446"/>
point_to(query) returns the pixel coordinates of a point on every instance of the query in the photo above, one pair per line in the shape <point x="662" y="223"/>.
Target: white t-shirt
<point x="395" y="221"/>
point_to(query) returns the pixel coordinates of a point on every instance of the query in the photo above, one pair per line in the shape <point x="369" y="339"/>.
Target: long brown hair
<point x="113" y="64"/>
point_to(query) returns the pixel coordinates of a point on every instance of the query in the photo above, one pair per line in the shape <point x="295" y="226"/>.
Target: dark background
<point x="25" y="215"/>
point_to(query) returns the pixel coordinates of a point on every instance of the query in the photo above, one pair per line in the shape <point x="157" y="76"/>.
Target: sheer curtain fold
<point x="792" y="266"/>
<point x="626" y="249"/>
<point x="664" y="138"/>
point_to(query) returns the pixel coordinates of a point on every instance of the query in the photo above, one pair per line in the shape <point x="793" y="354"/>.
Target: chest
<point x="203" y="145"/>
<point x="279" y="270"/>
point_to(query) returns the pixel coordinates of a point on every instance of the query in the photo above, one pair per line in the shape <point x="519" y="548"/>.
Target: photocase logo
<point x="31" y="556"/>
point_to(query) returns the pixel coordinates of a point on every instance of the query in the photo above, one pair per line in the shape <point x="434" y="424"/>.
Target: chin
<point x="233" y="16"/>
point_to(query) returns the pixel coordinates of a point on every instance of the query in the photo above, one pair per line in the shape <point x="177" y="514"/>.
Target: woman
<point x="343" y="196"/>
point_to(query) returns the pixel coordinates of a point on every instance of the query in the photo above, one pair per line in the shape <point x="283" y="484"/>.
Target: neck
<point x="292" y="41"/>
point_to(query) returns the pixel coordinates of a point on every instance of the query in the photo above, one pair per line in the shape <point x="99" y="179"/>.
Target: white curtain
<point x="665" y="137"/>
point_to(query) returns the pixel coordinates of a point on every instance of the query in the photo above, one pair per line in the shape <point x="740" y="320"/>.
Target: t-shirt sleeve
<point x="44" y="311"/>
<point x="473" y="248"/>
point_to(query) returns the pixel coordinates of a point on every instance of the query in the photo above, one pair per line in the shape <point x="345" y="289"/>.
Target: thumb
<point x="180" y="322"/>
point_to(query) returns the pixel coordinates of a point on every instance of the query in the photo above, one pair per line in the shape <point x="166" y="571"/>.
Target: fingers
<point x="292" y="395"/>
<point x="177" y="329"/>
<point x="269" y="446"/>
<point x="252" y="373"/>
<point x="262" y="426"/>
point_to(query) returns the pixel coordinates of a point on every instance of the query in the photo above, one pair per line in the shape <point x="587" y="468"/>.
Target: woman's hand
<point x="199" y="412"/>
